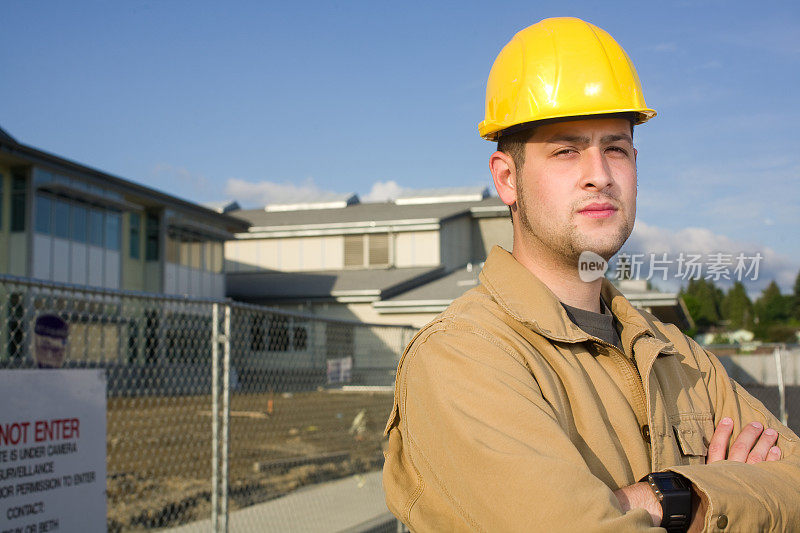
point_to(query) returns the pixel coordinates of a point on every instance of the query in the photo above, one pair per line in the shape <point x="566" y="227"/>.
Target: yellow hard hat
<point x="559" y="68"/>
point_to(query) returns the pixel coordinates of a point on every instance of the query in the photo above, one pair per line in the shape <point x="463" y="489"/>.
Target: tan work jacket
<point x="507" y="418"/>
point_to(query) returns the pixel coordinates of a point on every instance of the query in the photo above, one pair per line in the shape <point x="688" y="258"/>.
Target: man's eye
<point x="618" y="149"/>
<point x="566" y="151"/>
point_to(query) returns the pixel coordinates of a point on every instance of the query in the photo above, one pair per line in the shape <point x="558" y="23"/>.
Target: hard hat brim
<point x="493" y="131"/>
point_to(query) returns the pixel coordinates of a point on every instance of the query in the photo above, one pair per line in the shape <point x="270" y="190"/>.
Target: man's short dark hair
<point x="513" y="145"/>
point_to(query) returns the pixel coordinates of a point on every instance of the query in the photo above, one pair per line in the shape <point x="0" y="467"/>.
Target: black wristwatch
<point x="674" y="493"/>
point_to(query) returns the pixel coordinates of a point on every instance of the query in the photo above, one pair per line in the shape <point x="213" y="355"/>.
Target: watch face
<point x="667" y="483"/>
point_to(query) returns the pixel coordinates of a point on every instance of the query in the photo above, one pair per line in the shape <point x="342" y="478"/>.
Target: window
<point x="378" y="249"/>
<point x="61" y="219"/>
<point x="152" y="236"/>
<point x="173" y="248"/>
<point x="96" y="224"/>
<point x="112" y="231"/>
<point x="213" y="256"/>
<point x="135" y="235"/>
<point x="195" y="253"/>
<point x="2" y="191"/>
<point x="43" y="210"/>
<point x="354" y="250"/>
<point x="208" y="255"/>
<point x="279" y="333"/>
<point x="376" y="246"/>
<point x="186" y="256"/>
<point x="216" y="265"/>
<point x="19" y="195"/>
<point x="300" y="338"/>
<point x="79" y="216"/>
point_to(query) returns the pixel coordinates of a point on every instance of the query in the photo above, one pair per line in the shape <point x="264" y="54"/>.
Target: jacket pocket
<point x="693" y="433"/>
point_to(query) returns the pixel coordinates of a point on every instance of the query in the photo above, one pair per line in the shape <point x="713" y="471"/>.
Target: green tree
<point x="737" y="308"/>
<point x="703" y="299"/>
<point x="796" y="298"/>
<point x="772" y="307"/>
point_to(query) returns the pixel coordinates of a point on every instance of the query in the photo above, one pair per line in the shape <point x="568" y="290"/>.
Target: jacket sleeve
<point x="473" y="446"/>
<point x="746" y="497"/>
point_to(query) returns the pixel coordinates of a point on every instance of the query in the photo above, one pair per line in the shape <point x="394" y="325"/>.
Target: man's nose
<point x="596" y="171"/>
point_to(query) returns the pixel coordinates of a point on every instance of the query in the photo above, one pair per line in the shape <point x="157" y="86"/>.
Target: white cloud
<point x="262" y="193"/>
<point x="653" y="241"/>
<point x="383" y="191"/>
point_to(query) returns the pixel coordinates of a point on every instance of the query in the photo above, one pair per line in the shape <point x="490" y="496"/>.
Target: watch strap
<point x="674" y="493"/>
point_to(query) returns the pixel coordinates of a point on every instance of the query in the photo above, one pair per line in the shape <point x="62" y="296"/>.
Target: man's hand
<point x="753" y="445"/>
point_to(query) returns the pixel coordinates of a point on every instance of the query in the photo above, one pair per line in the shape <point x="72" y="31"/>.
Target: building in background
<point x="63" y="221"/>
<point x="398" y="262"/>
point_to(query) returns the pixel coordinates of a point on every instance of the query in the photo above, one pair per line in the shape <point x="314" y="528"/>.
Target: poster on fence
<point x="339" y="370"/>
<point x="52" y="450"/>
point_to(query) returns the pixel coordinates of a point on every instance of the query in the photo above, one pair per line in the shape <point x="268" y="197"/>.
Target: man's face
<point x="577" y="189"/>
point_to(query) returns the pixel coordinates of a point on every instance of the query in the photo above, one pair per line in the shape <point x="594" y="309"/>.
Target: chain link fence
<point x="226" y="416"/>
<point x="219" y="412"/>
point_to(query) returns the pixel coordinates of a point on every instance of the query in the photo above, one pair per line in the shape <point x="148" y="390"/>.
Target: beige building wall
<point x="14" y="246"/>
<point x="416" y="248"/>
<point x="293" y="254"/>
<point x="363" y="312"/>
<point x="456" y="243"/>
<point x="18" y="260"/>
<point x="132" y="269"/>
<point x="488" y="232"/>
<point x="5" y="220"/>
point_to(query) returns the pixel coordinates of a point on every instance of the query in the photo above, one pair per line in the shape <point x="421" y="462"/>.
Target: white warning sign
<point x="52" y="451"/>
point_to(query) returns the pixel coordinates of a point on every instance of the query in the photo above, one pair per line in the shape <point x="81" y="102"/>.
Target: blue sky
<point x="267" y="102"/>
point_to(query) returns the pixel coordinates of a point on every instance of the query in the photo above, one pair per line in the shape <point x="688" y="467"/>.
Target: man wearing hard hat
<point x="542" y="400"/>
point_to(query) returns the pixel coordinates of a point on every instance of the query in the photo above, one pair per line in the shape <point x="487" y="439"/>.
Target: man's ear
<point x="504" y="174"/>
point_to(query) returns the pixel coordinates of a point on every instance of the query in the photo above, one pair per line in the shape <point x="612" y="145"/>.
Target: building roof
<point x="438" y="293"/>
<point x="363" y="285"/>
<point x="435" y="295"/>
<point x="28" y="154"/>
<point x="383" y="212"/>
<point x="6" y="137"/>
<point x="436" y="196"/>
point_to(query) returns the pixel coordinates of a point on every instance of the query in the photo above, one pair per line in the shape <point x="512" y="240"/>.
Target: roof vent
<point x="330" y="201"/>
<point x="440" y="196"/>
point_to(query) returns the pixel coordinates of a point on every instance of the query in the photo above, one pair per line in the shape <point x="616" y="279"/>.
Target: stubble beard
<point x="568" y="245"/>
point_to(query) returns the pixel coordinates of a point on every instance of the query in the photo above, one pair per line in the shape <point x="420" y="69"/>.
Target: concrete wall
<point x="291" y="254"/>
<point x="487" y="232"/>
<point x="194" y="282"/>
<point x="68" y="261"/>
<point x="456" y="243"/>
<point x="761" y="369"/>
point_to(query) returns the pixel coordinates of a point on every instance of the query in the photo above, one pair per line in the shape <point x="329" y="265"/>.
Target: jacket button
<point x="722" y="521"/>
<point x="646" y="433"/>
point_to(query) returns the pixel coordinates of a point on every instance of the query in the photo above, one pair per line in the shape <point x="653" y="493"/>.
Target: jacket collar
<point x="528" y="300"/>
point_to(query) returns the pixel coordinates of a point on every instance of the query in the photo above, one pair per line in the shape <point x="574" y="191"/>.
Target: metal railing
<point x="217" y="411"/>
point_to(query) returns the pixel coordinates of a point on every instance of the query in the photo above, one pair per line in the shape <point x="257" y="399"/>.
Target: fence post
<point x="226" y="416"/>
<point x="215" y="417"/>
<point x="781" y="387"/>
